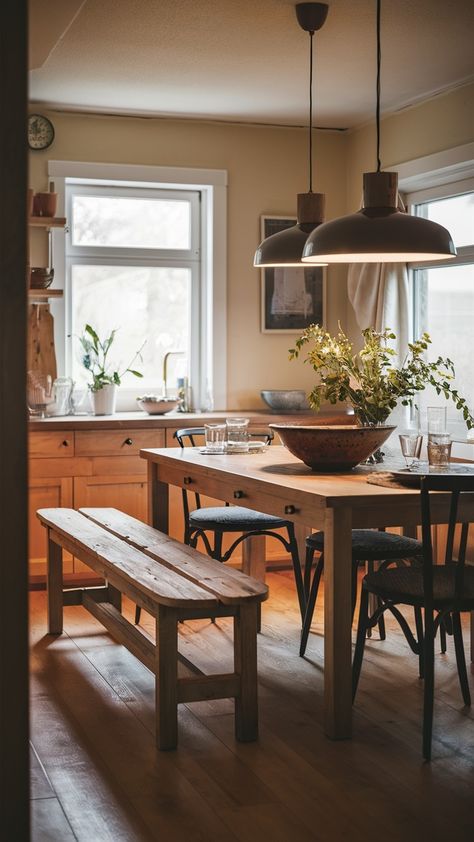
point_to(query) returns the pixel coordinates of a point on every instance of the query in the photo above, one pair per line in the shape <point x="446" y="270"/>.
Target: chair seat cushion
<point x="233" y="519"/>
<point x="372" y="545"/>
<point x="405" y="584"/>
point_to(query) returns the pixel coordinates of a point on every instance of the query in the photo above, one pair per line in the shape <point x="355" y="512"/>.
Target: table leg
<point x="253" y="557"/>
<point x="158" y="500"/>
<point x="337" y="623"/>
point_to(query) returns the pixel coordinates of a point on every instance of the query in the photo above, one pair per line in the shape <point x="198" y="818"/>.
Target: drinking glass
<point x="237" y="435"/>
<point x="410" y="444"/>
<point x="436" y="419"/>
<point x="439" y="449"/>
<point x="215" y="437"/>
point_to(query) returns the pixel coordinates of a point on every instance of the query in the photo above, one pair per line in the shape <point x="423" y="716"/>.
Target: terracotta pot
<point x="332" y="448"/>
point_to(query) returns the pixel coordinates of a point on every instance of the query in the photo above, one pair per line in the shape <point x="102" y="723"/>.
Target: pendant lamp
<point x="286" y="247"/>
<point x="379" y="232"/>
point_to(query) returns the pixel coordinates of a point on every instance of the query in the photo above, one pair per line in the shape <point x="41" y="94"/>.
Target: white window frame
<point x="212" y="186"/>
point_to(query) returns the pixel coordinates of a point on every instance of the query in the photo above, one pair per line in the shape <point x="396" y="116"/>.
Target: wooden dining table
<point x="277" y="483"/>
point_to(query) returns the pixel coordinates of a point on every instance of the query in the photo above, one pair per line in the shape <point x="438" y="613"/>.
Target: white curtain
<point x="378" y="293"/>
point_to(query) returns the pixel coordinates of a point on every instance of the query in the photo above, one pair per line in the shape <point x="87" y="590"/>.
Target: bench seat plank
<point x="228" y="584"/>
<point x="161" y="583"/>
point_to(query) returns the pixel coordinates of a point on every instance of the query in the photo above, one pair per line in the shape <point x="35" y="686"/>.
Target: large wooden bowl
<point x="331" y="448"/>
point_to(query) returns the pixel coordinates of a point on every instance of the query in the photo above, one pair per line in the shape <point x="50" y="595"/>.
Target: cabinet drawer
<point x="116" y="442"/>
<point x="57" y="444"/>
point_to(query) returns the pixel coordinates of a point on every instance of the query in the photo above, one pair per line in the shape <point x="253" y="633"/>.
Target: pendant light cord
<point x="311" y="111"/>
<point x="377" y="110"/>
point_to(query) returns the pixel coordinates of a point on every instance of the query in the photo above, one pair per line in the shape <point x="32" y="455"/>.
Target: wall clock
<point x="40" y="132"/>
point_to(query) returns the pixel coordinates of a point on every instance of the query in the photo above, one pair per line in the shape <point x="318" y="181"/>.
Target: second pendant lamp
<point x="286" y="247"/>
<point x="379" y="232"/>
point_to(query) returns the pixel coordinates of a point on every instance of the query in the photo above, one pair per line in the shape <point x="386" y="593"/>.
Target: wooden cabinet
<point x="85" y="468"/>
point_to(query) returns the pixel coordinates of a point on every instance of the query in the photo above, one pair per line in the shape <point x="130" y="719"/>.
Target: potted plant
<point x="369" y="380"/>
<point x="105" y="378"/>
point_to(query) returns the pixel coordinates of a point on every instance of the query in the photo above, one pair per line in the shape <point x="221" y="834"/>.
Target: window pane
<point x="446" y="312"/>
<point x="143" y="303"/>
<point x="455" y="213"/>
<point x="131" y="223"/>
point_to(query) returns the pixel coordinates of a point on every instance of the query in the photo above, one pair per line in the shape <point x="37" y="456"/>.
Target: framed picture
<point x="292" y="297"/>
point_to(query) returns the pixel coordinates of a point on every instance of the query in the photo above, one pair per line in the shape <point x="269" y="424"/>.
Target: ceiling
<point x="244" y="60"/>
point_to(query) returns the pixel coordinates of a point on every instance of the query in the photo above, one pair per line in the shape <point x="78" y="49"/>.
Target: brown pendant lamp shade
<point x="379" y="232"/>
<point x="285" y="248"/>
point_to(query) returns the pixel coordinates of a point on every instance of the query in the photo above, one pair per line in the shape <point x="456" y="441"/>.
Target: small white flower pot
<point x="103" y="401"/>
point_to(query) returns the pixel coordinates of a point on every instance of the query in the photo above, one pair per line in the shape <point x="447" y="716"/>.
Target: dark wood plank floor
<point x="97" y="775"/>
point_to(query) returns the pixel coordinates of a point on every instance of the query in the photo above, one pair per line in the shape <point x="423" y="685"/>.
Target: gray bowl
<point x="286" y="400"/>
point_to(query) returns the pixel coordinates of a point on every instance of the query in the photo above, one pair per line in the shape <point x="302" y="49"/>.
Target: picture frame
<point x="292" y="298"/>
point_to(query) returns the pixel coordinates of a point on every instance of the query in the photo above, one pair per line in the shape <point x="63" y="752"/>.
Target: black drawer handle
<point x="290" y="509"/>
<point x="238" y="495"/>
<point x="187" y="480"/>
<point x="128" y="441"/>
<point x="65" y="443"/>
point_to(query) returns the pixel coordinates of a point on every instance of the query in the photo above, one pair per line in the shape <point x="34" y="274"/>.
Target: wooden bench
<point x="171" y="581"/>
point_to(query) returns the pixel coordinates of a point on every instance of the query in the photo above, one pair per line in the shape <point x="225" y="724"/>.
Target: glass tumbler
<point x="237" y="435"/>
<point x="439" y="449"/>
<point x="215" y="437"/>
<point x="410" y="444"/>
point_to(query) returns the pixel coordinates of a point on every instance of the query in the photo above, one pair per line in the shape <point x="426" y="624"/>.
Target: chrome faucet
<point x="165" y="368"/>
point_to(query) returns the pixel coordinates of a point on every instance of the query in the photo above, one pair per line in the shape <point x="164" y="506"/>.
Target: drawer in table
<point x="116" y="442"/>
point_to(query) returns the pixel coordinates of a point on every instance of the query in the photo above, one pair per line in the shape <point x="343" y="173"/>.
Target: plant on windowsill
<point x="105" y="379"/>
<point x="368" y="379"/>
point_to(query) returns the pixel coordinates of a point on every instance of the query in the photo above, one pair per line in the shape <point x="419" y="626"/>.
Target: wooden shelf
<point x="44" y="294"/>
<point x="47" y="221"/>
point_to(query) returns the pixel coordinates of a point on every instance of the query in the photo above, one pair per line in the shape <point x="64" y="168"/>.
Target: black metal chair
<point x="222" y="520"/>
<point x="442" y="591"/>
<point x="369" y="546"/>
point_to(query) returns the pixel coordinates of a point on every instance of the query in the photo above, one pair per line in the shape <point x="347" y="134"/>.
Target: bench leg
<point x="166" y="672"/>
<point x="245" y="665"/>
<point x="114" y="597"/>
<point x="54" y="584"/>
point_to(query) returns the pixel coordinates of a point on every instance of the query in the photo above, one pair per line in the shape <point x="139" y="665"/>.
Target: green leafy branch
<point x="94" y="359"/>
<point x="368" y="380"/>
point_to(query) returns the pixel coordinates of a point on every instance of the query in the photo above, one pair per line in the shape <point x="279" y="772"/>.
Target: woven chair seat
<point x="405" y="584"/>
<point x="372" y="545"/>
<point x="233" y="519"/>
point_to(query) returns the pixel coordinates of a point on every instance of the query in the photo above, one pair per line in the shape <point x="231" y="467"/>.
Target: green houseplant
<point x="369" y="380"/>
<point x="105" y="378"/>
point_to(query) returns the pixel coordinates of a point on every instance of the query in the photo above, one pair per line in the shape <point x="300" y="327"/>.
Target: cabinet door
<point x="45" y="493"/>
<point x="127" y="493"/>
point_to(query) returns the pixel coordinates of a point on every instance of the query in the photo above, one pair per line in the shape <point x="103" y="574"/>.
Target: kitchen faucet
<point x="165" y="368"/>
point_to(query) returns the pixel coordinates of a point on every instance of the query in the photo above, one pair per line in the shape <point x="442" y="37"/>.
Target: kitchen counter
<point x="136" y="420"/>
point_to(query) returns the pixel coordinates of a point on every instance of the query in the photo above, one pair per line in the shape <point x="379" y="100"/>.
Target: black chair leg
<point x="428" y="700"/>
<point x="297" y="571"/>
<point x="308" y="563"/>
<point x="360" y="640"/>
<point x="460" y="658"/>
<point x="310" y="605"/>
<point x="442" y="637"/>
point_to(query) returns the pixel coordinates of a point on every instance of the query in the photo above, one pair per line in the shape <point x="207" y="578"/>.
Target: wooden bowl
<point x="331" y="448"/>
<point x="40" y="277"/>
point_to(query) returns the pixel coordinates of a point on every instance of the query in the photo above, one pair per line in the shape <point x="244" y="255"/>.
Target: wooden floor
<point x="97" y="776"/>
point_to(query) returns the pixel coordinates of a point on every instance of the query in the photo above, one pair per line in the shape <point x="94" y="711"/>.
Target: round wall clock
<point x="40" y="132"/>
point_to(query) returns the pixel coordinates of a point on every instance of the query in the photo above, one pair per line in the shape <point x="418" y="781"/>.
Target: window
<point x="133" y="263"/>
<point x="145" y="253"/>
<point x="443" y="293"/>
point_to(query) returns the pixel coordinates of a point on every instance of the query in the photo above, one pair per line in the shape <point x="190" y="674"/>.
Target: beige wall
<point x="266" y="168"/>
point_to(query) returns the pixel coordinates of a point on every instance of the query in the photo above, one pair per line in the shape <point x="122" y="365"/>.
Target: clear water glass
<point x="410" y="444"/>
<point x="215" y="435"/>
<point x="237" y="435"/>
<point x="439" y="449"/>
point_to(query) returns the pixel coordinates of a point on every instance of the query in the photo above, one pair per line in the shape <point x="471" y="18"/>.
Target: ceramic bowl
<point x="331" y="448"/>
<point x="157" y="405"/>
<point x="286" y="400"/>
